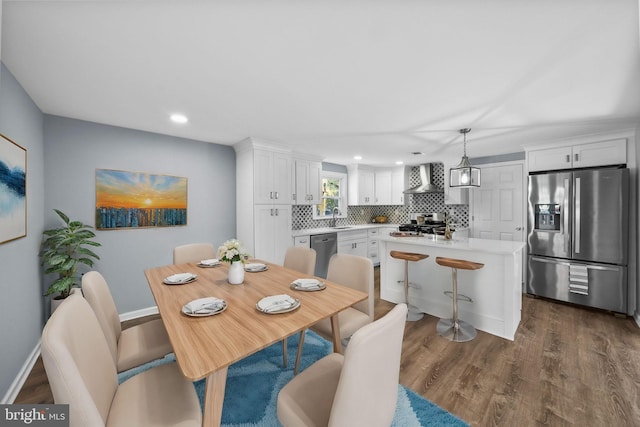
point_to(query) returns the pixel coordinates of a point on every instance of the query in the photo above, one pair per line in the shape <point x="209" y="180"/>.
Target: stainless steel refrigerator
<point x="578" y="226"/>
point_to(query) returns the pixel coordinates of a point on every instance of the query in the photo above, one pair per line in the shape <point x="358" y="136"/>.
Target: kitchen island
<point x="490" y="299"/>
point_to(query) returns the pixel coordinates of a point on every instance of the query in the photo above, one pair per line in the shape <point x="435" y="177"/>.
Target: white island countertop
<point x="470" y="244"/>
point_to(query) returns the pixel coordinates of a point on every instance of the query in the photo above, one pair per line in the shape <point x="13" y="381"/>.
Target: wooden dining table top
<point x="203" y="345"/>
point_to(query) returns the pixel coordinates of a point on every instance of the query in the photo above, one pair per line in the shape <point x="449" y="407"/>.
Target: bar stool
<point x="413" y="313"/>
<point x="454" y="329"/>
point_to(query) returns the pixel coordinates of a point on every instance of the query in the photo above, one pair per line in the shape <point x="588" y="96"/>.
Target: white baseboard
<point x="139" y="313"/>
<point x="20" y="379"/>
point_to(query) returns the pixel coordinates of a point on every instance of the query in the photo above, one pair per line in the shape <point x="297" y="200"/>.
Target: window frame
<point x="342" y="200"/>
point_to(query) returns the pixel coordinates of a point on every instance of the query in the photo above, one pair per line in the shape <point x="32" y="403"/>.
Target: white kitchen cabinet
<point x="272" y="177"/>
<point x="263" y="199"/>
<point x="353" y="242"/>
<point x="307" y="182"/>
<point x="302" y="241"/>
<point x="372" y="245"/>
<point x="272" y="228"/>
<point x="397" y="186"/>
<point x="361" y="185"/>
<point x="382" y="187"/>
<point x="613" y="152"/>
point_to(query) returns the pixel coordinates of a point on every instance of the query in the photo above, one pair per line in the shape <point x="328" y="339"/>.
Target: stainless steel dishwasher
<point x="325" y="246"/>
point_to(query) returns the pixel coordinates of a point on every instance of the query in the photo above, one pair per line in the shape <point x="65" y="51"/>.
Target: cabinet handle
<point x="271" y="211"/>
<point x="277" y="212"/>
<point x="294" y="196"/>
<point x="271" y="194"/>
<point x="576" y="157"/>
<point x="568" y="158"/>
<point x="276" y="194"/>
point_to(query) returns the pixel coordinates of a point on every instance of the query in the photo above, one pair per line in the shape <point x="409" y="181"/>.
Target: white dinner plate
<point x="207" y="263"/>
<point x="276" y="304"/>
<point x="255" y="267"/>
<point x="203" y="307"/>
<point x="308" y="285"/>
<point x="180" y="279"/>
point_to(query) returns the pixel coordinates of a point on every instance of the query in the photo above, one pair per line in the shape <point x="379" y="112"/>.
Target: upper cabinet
<point x="375" y="186"/>
<point x="272" y="177"/>
<point x="613" y="152"/>
<point x="307" y="181"/>
<point x="361" y="185"/>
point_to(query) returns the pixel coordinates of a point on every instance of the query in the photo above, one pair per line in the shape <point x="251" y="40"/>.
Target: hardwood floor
<point x="567" y="366"/>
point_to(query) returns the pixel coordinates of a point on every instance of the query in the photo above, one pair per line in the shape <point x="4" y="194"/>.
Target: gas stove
<point x="430" y="227"/>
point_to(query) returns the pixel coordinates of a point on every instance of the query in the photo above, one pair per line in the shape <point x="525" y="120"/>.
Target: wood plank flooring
<point x="568" y="366"/>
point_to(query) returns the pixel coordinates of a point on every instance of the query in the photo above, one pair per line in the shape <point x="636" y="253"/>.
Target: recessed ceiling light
<point x="417" y="153"/>
<point x="179" y="118"/>
<point x="399" y="162"/>
<point x="357" y="157"/>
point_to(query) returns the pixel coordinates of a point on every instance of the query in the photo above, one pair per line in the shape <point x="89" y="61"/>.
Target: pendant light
<point x="464" y="175"/>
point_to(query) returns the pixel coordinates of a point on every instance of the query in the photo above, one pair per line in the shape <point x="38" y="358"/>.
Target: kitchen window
<point x="334" y="193"/>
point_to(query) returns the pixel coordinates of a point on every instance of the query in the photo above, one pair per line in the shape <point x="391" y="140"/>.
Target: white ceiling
<point x="335" y="78"/>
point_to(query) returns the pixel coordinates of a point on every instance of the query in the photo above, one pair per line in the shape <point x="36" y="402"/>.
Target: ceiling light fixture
<point x="399" y="162"/>
<point x="357" y="157"/>
<point x="179" y="118"/>
<point x="464" y="175"/>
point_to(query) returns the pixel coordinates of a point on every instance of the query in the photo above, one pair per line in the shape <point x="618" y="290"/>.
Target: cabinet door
<point x="302" y="182"/>
<point x="263" y="177"/>
<point x="382" y="186"/>
<point x="397" y="186"/>
<point x="549" y="159"/>
<point x="263" y="232"/>
<point x="353" y="247"/>
<point x="600" y="154"/>
<point x="302" y="241"/>
<point x="281" y="178"/>
<point x="366" y="185"/>
<point x="315" y="183"/>
<point x="281" y="234"/>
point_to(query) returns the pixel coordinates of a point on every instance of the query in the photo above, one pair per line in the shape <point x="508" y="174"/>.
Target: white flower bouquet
<point x="231" y="251"/>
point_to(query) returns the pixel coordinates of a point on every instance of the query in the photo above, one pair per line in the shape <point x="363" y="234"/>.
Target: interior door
<point x="498" y="205"/>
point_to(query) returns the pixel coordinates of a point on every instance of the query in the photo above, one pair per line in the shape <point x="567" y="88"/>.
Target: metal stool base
<point x="414" y="314"/>
<point x="465" y="332"/>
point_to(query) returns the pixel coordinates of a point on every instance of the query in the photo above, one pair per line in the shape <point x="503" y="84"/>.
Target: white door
<point x="498" y="205"/>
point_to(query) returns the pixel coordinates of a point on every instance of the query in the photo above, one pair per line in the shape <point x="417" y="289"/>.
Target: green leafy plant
<point x="63" y="250"/>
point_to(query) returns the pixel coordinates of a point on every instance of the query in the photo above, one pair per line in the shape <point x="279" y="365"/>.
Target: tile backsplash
<point x="398" y="214"/>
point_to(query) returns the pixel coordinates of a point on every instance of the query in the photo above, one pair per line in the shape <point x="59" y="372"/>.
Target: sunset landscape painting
<point x="138" y="200"/>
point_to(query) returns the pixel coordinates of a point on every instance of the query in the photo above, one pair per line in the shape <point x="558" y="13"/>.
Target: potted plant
<point x="63" y="250"/>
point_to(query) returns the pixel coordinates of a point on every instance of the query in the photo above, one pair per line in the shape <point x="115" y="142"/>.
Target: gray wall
<point x="75" y="149"/>
<point x="62" y="156"/>
<point x="21" y="302"/>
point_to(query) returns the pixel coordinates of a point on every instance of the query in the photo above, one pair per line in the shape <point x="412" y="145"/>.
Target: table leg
<point x="335" y="329"/>
<point x="213" y="398"/>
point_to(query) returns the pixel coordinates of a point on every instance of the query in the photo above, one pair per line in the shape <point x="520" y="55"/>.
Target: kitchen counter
<point x="312" y="231"/>
<point x="495" y="291"/>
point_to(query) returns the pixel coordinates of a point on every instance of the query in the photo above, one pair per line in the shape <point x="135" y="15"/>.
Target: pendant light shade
<point x="464" y="175"/>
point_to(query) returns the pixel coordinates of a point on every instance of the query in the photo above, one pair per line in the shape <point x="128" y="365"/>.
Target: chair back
<point x="96" y="291"/>
<point x="367" y="391"/>
<point x="78" y="363"/>
<point x="355" y="272"/>
<point x="300" y="259"/>
<point x="193" y="252"/>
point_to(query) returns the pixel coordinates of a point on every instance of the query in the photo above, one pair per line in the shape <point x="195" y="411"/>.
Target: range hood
<point x="425" y="185"/>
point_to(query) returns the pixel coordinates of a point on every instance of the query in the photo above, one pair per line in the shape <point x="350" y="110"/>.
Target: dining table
<point x="205" y="346"/>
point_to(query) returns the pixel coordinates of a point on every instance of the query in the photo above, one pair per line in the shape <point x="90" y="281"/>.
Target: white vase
<point x="236" y="273"/>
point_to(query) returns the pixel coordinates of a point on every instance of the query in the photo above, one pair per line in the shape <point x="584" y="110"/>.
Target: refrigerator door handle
<point x="565" y="216"/>
<point x="577" y="211"/>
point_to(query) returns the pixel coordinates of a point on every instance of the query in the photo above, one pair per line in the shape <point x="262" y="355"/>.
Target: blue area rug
<point x="254" y="382"/>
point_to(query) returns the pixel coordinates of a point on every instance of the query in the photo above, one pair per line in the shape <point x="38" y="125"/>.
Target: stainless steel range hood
<point x="426" y="185"/>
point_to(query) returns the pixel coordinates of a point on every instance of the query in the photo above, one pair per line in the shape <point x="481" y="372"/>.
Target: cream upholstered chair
<point x="300" y="259"/>
<point x="193" y="252"/>
<point x="303" y="260"/>
<point x="81" y="373"/>
<point x="130" y="347"/>
<point x="357" y="389"/>
<point x="355" y="272"/>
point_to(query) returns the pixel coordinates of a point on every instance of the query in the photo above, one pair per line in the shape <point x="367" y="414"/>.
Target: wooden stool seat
<point x="408" y="256"/>
<point x="455" y="329"/>
<point x="413" y="313"/>
<point x="460" y="264"/>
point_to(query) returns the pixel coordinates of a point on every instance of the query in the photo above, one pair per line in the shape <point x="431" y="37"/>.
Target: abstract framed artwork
<point x="13" y="190"/>
<point x="139" y="200"/>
